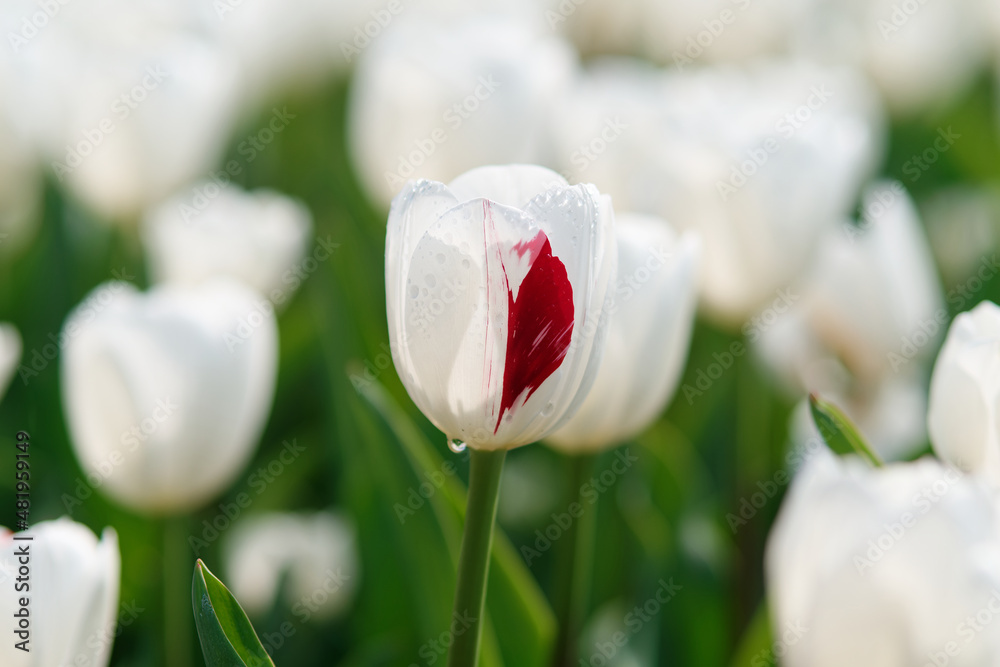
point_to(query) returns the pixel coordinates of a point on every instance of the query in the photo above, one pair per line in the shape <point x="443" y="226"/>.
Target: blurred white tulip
<point x="963" y="225"/>
<point x="256" y="238"/>
<point x="648" y="336"/>
<point x="435" y="98"/>
<point x="921" y="54"/>
<point x="316" y="552"/>
<point x="496" y="291"/>
<point x="166" y="393"/>
<point x="72" y="590"/>
<point x="10" y="355"/>
<point x="965" y="393"/>
<point x="760" y="162"/>
<point x="866" y="321"/>
<point x="884" y="567"/>
<point x="128" y="100"/>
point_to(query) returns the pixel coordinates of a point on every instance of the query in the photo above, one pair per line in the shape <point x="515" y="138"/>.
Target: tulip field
<point x="545" y="333"/>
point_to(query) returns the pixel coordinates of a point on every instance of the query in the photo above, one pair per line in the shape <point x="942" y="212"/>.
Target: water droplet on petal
<point x="440" y="258"/>
<point x="547" y="410"/>
<point x="456" y="445"/>
<point x="430" y="280"/>
<point x="414" y="291"/>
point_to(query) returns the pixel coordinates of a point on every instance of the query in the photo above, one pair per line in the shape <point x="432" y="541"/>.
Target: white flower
<point x="435" y="98"/>
<point x="167" y="392"/>
<point x="648" y="335"/>
<point x="128" y="100"/>
<point x="317" y="553"/>
<point x="759" y="161"/>
<point x="920" y="54"/>
<point x="72" y="591"/>
<point x="256" y="238"/>
<point x="864" y="322"/>
<point x="965" y="393"/>
<point x="10" y="354"/>
<point x="496" y="289"/>
<point x="884" y="567"/>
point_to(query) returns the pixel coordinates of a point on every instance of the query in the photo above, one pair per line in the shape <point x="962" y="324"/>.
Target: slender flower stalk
<point x="474" y="561"/>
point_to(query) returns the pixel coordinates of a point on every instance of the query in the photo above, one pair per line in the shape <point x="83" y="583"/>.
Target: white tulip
<point x="435" y="98"/>
<point x="921" y="54"/>
<point x="496" y="289"/>
<point x="965" y="393"/>
<point x="865" y="322"/>
<point x="10" y="354"/>
<point x="72" y="590"/>
<point x="317" y="553"/>
<point x="648" y="335"/>
<point x="128" y="100"/>
<point x="760" y="162"/>
<point x="884" y="567"/>
<point x="167" y="392"/>
<point x="256" y="238"/>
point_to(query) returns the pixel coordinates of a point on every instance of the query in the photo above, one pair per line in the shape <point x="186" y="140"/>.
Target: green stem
<point x="574" y="565"/>
<point x="474" y="560"/>
<point x="177" y="619"/>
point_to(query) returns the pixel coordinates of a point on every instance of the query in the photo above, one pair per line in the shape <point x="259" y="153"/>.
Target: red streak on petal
<point x="539" y="324"/>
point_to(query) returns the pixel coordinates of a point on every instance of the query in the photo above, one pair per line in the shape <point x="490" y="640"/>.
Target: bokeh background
<point x="234" y="65"/>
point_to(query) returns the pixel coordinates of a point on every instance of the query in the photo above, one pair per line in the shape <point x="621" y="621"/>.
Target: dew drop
<point x="456" y="445"/>
<point x="547" y="410"/>
<point x="466" y="263"/>
<point x="414" y="291"/>
<point x="430" y="280"/>
<point x="440" y="258"/>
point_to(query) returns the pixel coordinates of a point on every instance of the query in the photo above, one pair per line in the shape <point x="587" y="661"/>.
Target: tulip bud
<point x="317" y="553"/>
<point x="61" y="591"/>
<point x="167" y="392"/>
<point x="648" y="335"/>
<point x="965" y="393"/>
<point x="496" y="289"/>
<point x="10" y="353"/>
<point x="258" y="238"/>
<point x="433" y="99"/>
<point x="890" y="566"/>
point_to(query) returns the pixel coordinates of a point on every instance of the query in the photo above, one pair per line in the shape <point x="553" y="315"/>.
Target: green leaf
<point x="227" y="637"/>
<point x="756" y="645"/>
<point x="839" y="432"/>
